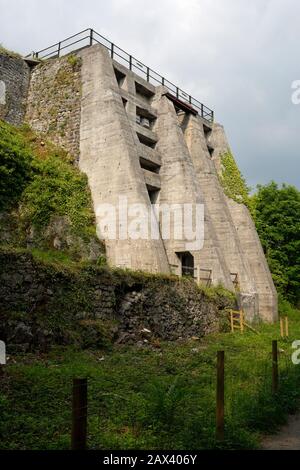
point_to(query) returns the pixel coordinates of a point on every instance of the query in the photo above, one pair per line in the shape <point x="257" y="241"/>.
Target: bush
<point x="46" y="193"/>
<point x="15" y="165"/>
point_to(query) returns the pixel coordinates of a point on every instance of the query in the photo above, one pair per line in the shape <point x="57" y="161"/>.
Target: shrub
<point x="15" y="165"/>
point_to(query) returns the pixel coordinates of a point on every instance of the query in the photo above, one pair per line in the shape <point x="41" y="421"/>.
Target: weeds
<point x="152" y="399"/>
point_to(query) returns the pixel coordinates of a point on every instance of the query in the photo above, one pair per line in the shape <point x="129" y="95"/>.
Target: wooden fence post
<point x="281" y="328"/>
<point x="242" y="321"/>
<point x="274" y="366"/>
<point x="287" y="327"/>
<point x="79" y="414"/>
<point x="220" y="396"/>
<point x="231" y="321"/>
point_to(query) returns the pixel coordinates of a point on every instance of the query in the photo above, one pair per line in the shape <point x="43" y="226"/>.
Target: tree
<point x="277" y="217"/>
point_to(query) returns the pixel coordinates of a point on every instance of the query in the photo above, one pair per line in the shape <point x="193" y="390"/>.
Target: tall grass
<point x="153" y="398"/>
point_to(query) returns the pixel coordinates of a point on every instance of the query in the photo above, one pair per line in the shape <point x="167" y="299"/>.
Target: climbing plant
<point x="233" y="182"/>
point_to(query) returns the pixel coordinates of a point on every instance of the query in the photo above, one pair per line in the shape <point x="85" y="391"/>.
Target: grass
<point x="152" y="398"/>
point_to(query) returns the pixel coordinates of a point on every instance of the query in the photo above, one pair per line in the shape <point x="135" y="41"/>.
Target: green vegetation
<point x="151" y="398"/>
<point x="276" y="212"/>
<point x="160" y="396"/>
<point x="40" y="183"/>
<point x="233" y="183"/>
<point x="73" y="60"/>
<point x="15" y="165"/>
<point x="277" y="217"/>
<point x="9" y="53"/>
<point x="81" y="300"/>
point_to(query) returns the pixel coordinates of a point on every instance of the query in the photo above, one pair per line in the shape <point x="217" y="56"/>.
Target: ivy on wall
<point x="47" y="194"/>
<point x="233" y="182"/>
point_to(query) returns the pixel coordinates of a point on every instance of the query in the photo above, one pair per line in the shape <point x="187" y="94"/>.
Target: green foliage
<point x="285" y="308"/>
<point x="151" y="399"/>
<point x="233" y="182"/>
<point x="277" y="216"/>
<point x="56" y="188"/>
<point x="9" y="53"/>
<point x="73" y="60"/>
<point x="39" y="181"/>
<point x="15" y="165"/>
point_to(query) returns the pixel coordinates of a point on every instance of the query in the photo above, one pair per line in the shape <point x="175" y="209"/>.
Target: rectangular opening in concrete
<point x="187" y="263"/>
<point x="144" y="118"/>
<point x="207" y="131"/>
<point x="210" y="150"/>
<point x="143" y="93"/>
<point x="148" y="165"/>
<point x="124" y="102"/>
<point x="153" y="194"/>
<point x="146" y="140"/>
<point x="120" y="77"/>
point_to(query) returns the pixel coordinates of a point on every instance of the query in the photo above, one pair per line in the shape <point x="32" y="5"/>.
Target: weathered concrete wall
<point x="54" y="102"/>
<point x="179" y="185"/>
<point x="109" y="155"/>
<point x="248" y="237"/>
<point x="224" y="229"/>
<point x="14" y="75"/>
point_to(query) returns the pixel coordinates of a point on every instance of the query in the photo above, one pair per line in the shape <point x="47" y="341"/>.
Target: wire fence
<point x="239" y="399"/>
<point x="104" y="411"/>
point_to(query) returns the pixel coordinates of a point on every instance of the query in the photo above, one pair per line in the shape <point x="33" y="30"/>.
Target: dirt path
<point x="287" y="439"/>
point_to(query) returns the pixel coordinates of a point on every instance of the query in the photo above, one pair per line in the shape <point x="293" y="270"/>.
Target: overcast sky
<point x="239" y="57"/>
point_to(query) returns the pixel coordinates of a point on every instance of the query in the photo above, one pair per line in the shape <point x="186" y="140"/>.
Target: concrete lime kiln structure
<point x="136" y="135"/>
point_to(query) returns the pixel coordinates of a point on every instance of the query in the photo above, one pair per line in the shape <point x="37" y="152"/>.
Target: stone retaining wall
<point x="42" y="305"/>
<point x="14" y="81"/>
<point x="54" y="102"/>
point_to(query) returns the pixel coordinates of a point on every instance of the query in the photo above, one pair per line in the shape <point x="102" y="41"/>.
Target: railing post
<point x="177" y="92"/>
<point x="79" y="414"/>
<point x="190" y="99"/>
<point x="162" y="81"/>
<point x="220" y="396"/>
<point x="91" y="36"/>
<point x="274" y="366"/>
<point x="58" y="50"/>
<point x="148" y="74"/>
<point x="202" y="110"/>
<point x="112" y="50"/>
<point x="198" y="276"/>
<point x="130" y="62"/>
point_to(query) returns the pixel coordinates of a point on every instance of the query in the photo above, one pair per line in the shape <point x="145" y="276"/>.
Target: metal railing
<point x="88" y="37"/>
